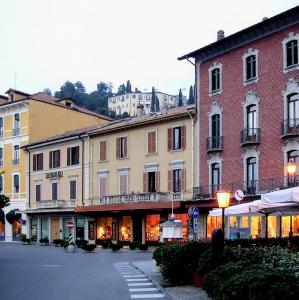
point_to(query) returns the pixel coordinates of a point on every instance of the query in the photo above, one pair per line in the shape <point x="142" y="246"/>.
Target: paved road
<point x="36" y="272"/>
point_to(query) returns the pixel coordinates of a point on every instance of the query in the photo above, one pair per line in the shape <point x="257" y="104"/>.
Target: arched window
<point x="250" y="67"/>
<point x="215" y="176"/>
<point x="251" y="119"/>
<point x="293" y="109"/>
<point x="251" y="174"/>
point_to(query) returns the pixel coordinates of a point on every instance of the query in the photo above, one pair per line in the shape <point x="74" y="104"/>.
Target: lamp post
<point x="291" y="169"/>
<point x="223" y="202"/>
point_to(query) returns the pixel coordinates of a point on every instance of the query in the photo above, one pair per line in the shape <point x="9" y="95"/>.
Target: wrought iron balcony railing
<point x="289" y="127"/>
<point x="214" y="143"/>
<point x="55" y="203"/>
<point x="137" y="198"/>
<point x="250" y="187"/>
<point x="15" y="131"/>
<point x="250" y="136"/>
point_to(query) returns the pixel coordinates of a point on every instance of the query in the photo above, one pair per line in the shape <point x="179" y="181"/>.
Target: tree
<point x="121" y="90"/>
<point x="137" y="91"/>
<point x="191" y="95"/>
<point x="4" y="201"/>
<point x="157" y="108"/>
<point x="153" y="100"/>
<point x="47" y="91"/>
<point x="128" y="87"/>
<point x="180" y="98"/>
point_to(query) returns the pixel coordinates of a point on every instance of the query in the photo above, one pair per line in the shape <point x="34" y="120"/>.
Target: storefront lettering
<point x="56" y="174"/>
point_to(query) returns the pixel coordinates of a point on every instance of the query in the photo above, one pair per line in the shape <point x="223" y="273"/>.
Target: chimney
<point x="140" y="110"/>
<point x="220" y="35"/>
<point x="264" y="19"/>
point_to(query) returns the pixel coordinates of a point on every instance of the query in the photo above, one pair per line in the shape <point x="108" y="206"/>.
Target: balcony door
<point x="251" y="120"/>
<point x="293" y="156"/>
<point x="251" y="175"/>
<point x="215" y="176"/>
<point x="215" y="131"/>
<point x="293" y="110"/>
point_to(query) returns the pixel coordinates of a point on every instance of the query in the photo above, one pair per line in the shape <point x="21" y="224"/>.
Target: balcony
<point x="15" y="161"/>
<point x="137" y="198"/>
<point x="15" y="131"/>
<point x="55" y="203"/>
<point x="250" y="136"/>
<point x="250" y="187"/>
<point x="214" y="143"/>
<point x="289" y="128"/>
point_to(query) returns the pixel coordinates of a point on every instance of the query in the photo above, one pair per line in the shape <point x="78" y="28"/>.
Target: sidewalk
<point x="186" y="292"/>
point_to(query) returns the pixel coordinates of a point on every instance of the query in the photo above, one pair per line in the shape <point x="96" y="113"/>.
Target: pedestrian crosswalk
<point x="140" y="286"/>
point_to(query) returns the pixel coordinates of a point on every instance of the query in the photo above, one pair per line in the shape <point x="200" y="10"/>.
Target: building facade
<point x="129" y="102"/>
<point x="26" y="118"/>
<point x="134" y="174"/>
<point x="248" y="96"/>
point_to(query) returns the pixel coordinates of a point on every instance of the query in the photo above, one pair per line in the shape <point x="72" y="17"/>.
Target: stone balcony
<point x="55" y="203"/>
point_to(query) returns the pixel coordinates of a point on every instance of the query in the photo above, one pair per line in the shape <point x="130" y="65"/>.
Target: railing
<point x="214" y="143"/>
<point x="137" y="198"/>
<point x="15" y="161"/>
<point x="55" y="203"/>
<point x="250" y="187"/>
<point x="250" y="136"/>
<point x="289" y="127"/>
<point x="15" y="131"/>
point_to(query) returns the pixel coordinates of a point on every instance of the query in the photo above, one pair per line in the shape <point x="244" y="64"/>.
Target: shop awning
<point x="290" y="195"/>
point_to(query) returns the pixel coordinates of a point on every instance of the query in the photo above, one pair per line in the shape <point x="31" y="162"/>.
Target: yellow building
<point x="26" y="118"/>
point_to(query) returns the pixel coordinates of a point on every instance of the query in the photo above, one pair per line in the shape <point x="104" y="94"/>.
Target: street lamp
<point x="223" y="202"/>
<point x="291" y="169"/>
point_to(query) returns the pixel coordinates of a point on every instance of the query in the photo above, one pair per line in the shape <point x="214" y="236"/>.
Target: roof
<point x="247" y="35"/>
<point x="143" y="120"/>
<point x="17" y="92"/>
<point x="40" y="96"/>
<point x="3" y="97"/>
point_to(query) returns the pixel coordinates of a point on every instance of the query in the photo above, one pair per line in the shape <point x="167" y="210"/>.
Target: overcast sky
<point x="46" y="42"/>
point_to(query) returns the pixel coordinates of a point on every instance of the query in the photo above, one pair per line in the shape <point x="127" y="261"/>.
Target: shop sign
<point x="56" y="174"/>
<point x="91" y="230"/>
<point x="80" y="222"/>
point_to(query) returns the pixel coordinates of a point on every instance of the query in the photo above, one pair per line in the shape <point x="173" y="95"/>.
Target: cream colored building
<point x="128" y="102"/>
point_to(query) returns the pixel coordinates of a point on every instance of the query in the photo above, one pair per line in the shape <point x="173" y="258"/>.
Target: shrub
<point x="213" y="280"/>
<point x="79" y="243"/>
<point x="132" y="246"/>
<point x="143" y="247"/>
<point x="89" y="247"/>
<point x="105" y="244"/>
<point x="115" y="247"/>
<point x="258" y="284"/>
<point x="56" y="242"/>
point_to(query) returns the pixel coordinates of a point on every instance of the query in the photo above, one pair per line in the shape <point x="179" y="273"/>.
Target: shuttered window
<point x="54" y="159"/>
<point x="123" y="184"/>
<point x="177" y="180"/>
<point x="38" y="162"/>
<point x="54" y="190"/>
<point x="73" y="156"/>
<point x="103" y="187"/>
<point x="151" y="142"/>
<point x="176" y="138"/>
<point x="37" y="192"/>
<point x="73" y="189"/>
<point x="121" y="147"/>
<point x="103" y="150"/>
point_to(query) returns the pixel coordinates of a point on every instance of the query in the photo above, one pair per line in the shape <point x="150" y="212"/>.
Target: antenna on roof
<point x="15" y="80"/>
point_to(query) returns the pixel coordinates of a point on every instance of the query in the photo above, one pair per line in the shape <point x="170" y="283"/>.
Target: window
<point x="1" y="127"/>
<point x="250" y="67"/>
<point x="177" y="138"/>
<point x="73" y="156"/>
<point x="151" y="142"/>
<point x="16" y="154"/>
<point x="16" y="183"/>
<point x="54" y="190"/>
<point x="176" y="180"/>
<point x="38" y="161"/>
<point x="123" y="184"/>
<point x="54" y="159"/>
<point x="292" y="53"/>
<point x="251" y="120"/>
<point x="1" y="156"/>
<point x="121" y="147"/>
<point x="216" y="80"/>
<point x="293" y="110"/>
<point x="151" y="182"/>
<point x="103" y="150"/>
<point x="215" y="176"/>
<point x="17" y="121"/>
<point x="103" y="186"/>
<point x="215" y="128"/>
<point x="1" y="185"/>
<point x="251" y="174"/>
<point x="73" y="189"/>
<point x="293" y="156"/>
<point x="37" y="192"/>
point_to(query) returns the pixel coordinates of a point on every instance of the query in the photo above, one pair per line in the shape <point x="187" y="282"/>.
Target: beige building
<point x="128" y="102"/>
<point x="134" y="174"/>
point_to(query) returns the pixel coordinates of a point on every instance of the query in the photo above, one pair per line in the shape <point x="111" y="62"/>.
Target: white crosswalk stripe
<point x="140" y="286"/>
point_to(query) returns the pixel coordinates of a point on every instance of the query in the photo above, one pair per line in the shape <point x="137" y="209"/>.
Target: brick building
<point x="248" y="112"/>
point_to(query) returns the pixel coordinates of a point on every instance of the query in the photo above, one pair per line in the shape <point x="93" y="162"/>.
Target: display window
<point x="16" y="230"/>
<point x="2" y="231"/>
<point x="255" y="227"/>
<point x="239" y="227"/>
<point x="66" y="232"/>
<point x="184" y="219"/>
<point x="104" y="228"/>
<point x="213" y="223"/>
<point x="33" y="229"/>
<point x="44" y="224"/>
<point x="152" y="228"/>
<point x="272" y="226"/>
<point x="286" y="225"/>
<point x="125" y="228"/>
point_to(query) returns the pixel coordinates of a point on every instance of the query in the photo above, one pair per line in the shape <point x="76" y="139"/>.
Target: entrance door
<point x="137" y="228"/>
<point x="55" y="229"/>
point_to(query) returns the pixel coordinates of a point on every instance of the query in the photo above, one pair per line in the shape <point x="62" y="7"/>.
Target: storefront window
<point x="152" y="227"/>
<point x="272" y="226"/>
<point x="255" y="227"/>
<point x="285" y="225"/>
<point x="239" y="227"/>
<point x="125" y="228"/>
<point x="80" y="229"/>
<point x="66" y="232"/>
<point x="44" y="223"/>
<point x="2" y="231"/>
<point x="213" y="223"/>
<point x="184" y="220"/>
<point x="33" y="229"/>
<point x="104" y="228"/>
<point x="16" y="230"/>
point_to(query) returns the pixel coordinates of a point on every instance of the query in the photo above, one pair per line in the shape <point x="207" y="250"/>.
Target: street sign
<point x="70" y="225"/>
<point x="239" y="195"/>
<point x="190" y="211"/>
<point x="195" y="225"/>
<point x="195" y="212"/>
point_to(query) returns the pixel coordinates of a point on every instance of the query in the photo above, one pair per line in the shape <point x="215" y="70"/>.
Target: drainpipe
<point x="29" y="179"/>
<point x="192" y="150"/>
<point x="82" y="170"/>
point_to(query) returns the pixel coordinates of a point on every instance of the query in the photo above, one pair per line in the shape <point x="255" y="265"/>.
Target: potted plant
<point x="89" y="247"/>
<point x="56" y="242"/>
<point x="143" y="247"/>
